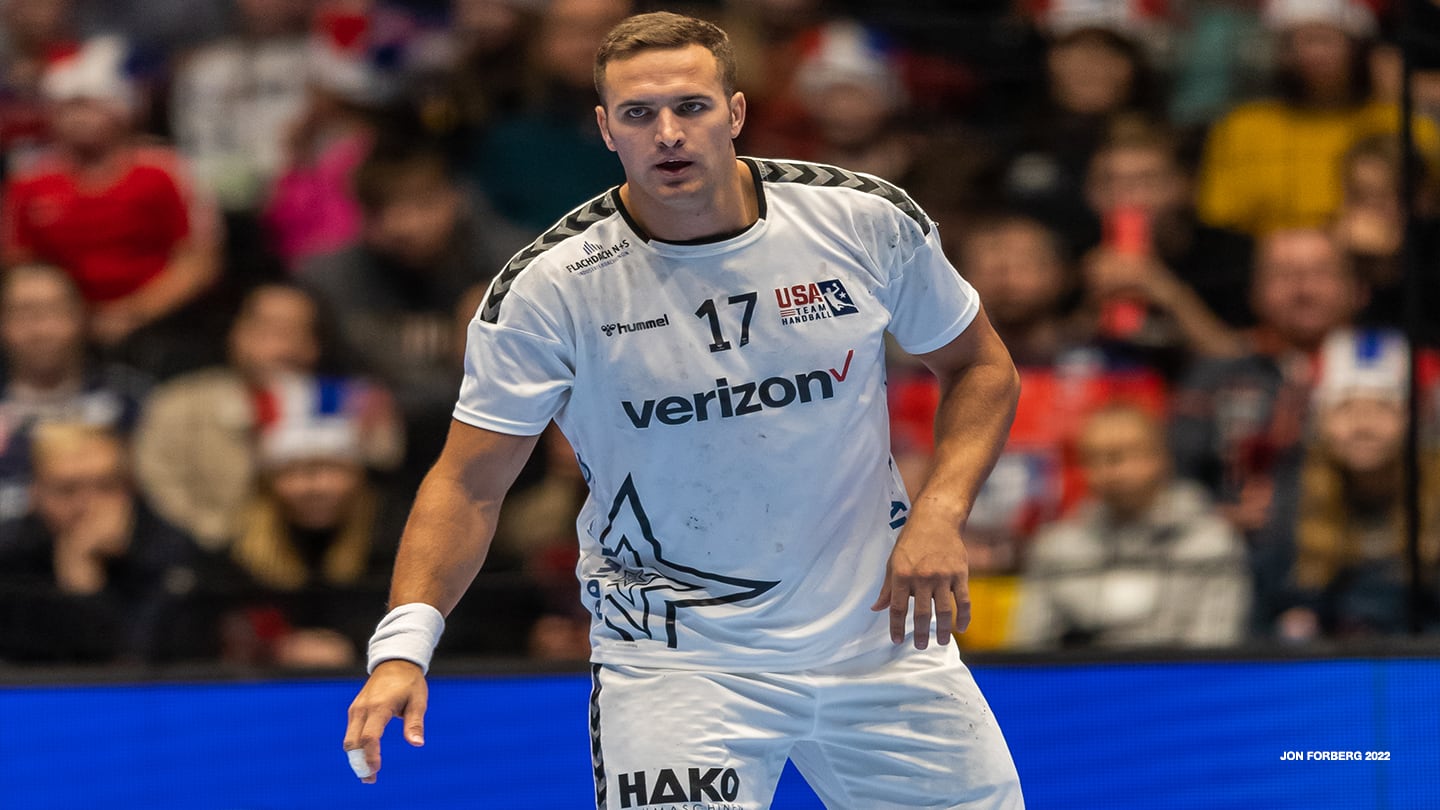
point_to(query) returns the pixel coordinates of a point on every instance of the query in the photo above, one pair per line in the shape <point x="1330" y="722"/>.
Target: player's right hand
<point x="396" y="689"/>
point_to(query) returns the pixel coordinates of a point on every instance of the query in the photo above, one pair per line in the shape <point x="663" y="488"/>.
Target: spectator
<point x="46" y="375"/>
<point x="1271" y="164"/>
<point x="116" y="214"/>
<point x="849" y="95"/>
<point x="313" y="543"/>
<point x="424" y="245"/>
<point x="1018" y="267"/>
<point x="1350" y="570"/>
<point x="1388" y="65"/>
<point x="1371" y="224"/>
<point x="1095" y="69"/>
<point x="194" y="449"/>
<point x="766" y="35"/>
<point x="1158" y="279"/>
<point x="160" y="26"/>
<point x="232" y="101"/>
<point x="487" y="79"/>
<point x="535" y="164"/>
<point x="356" y="58"/>
<point x="1221" y="57"/>
<point x="1146" y="562"/>
<point x="32" y="34"/>
<point x="91" y="574"/>
<point x="1239" y="422"/>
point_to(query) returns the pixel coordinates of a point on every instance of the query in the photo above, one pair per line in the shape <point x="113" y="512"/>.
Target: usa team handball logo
<point x="815" y="301"/>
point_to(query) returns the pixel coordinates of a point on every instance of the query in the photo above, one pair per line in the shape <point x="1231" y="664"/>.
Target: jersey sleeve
<point x="518" y="370"/>
<point x="930" y="304"/>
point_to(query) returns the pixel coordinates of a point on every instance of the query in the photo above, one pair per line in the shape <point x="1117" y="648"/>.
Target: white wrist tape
<point x="409" y="633"/>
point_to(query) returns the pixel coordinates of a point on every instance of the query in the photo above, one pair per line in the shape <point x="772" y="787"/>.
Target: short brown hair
<point x="1139" y="132"/>
<point x="382" y="174"/>
<point x="663" y="30"/>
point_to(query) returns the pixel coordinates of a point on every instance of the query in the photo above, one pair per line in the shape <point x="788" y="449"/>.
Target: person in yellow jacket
<point x="1275" y="163"/>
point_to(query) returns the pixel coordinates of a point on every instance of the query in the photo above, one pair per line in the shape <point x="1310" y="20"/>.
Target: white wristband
<point x="409" y="633"/>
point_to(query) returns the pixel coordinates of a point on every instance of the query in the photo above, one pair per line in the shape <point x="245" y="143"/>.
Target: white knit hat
<point x="1351" y="16"/>
<point x="363" y="58"/>
<point x="1363" y="362"/>
<point x="1132" y="18"/>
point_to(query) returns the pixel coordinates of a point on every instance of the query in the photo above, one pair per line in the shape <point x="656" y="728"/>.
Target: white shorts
<point x="901" y="728"/>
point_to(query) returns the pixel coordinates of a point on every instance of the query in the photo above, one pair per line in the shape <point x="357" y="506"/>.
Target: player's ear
<point x="737" y="113"/>
<point x="603" y="122"/>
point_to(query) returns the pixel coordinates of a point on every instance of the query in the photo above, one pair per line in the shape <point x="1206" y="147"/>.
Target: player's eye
<point x="635" y="113"/>
<point x="692" y="106"/>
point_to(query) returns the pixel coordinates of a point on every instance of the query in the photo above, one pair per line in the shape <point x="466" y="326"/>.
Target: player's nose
<point x="668" y="132"/>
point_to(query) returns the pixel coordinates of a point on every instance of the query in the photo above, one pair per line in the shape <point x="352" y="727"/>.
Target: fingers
<point x="961" y="600"/>
<point x="415" y="720"/>
<point x="899" y="606"/>
<point x="370" y="743"/>
<point x="396" y="689"/>
<point x="362" y="741"/>
<point x="947" y="607"/>
<point x="922" y="621"/>
<point x="944" y="618"/>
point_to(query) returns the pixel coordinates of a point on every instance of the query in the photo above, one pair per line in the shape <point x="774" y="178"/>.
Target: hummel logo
<point x="611" y="329"/>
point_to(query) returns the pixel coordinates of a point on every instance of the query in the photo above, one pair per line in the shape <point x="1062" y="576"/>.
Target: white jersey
<point x="726" y="400"/>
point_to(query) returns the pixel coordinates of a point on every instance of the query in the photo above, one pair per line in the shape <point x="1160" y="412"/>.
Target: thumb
<point x="415" y="720"/>
<point x="883" y="602"/>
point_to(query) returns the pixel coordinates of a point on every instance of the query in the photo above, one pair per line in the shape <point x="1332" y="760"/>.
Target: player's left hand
<point x="928" y="565"/>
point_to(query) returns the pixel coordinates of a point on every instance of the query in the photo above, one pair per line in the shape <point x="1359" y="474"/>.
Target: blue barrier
<point x="1205" y="735"/>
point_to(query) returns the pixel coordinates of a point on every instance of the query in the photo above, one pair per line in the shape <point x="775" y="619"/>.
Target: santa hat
<point x="846" y="52"/>
<point x="1352" y="17"/>
<point x="1132" y="18"/>
<point x="97" y="70"/>
<point x="361" y="57"/>
<point x="1363" y="362"/>
<point x="307" y="418"/>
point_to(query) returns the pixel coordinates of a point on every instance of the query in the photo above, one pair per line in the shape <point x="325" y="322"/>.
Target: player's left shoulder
<point x="860" y="192"/>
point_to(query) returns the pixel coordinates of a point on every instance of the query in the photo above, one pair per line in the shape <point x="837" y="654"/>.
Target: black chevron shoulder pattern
<point x="576" y="222"/>
<point x="818" y="174"/>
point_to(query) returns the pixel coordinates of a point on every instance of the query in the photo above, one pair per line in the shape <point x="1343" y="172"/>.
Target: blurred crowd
<point x="242" y="241"/>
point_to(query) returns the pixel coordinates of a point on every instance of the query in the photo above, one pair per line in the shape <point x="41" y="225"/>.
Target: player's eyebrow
<point x="654" y="102"/>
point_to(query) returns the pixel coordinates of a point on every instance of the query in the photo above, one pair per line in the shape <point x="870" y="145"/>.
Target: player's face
<point x="666" y="115"/>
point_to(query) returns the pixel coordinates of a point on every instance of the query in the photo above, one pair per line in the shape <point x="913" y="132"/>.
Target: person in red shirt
<point x="115" y="213"/>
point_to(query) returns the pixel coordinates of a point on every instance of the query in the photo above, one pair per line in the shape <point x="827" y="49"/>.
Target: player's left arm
<point x="978" y="391"/>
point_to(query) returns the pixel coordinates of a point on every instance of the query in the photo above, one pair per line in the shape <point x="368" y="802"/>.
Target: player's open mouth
<point x="673" y="166"/>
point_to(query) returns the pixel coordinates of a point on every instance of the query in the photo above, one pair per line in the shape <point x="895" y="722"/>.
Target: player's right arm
<point x="445" y="541"/>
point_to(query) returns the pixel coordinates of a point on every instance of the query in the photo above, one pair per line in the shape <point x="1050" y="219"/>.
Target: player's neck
<point x="732" y="206"/>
